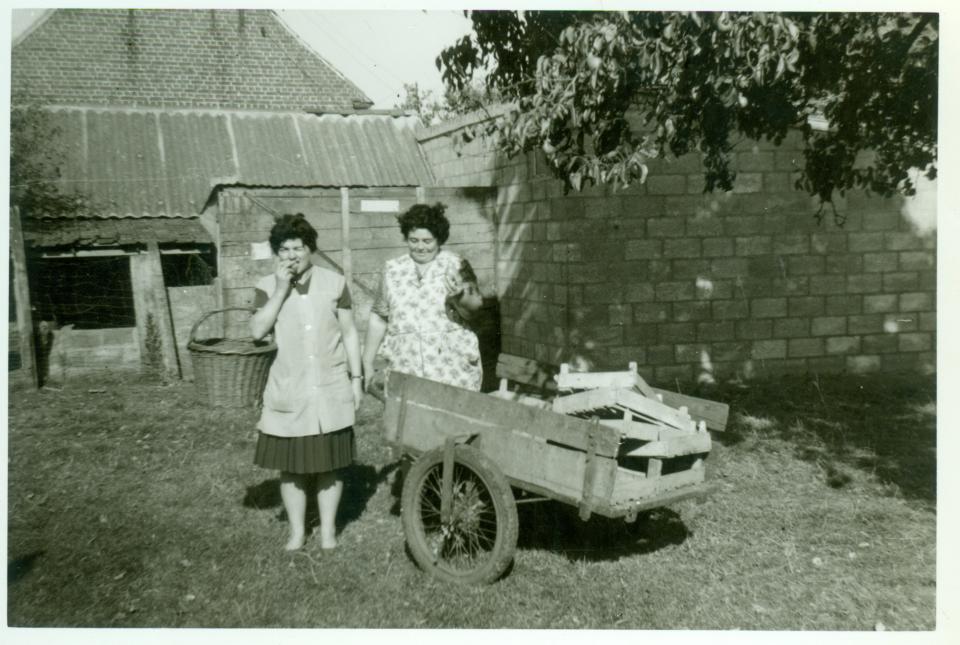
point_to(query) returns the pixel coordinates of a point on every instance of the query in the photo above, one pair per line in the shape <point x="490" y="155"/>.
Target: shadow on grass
<point x="402" y="466"/>
<point x="360" y="482"/>
<point x="557" y="527"/>
<point x="266" y="494"/>
<point x="881" y="425"/>
<point x="553" y="526"/>
<point x="20" y="568"/>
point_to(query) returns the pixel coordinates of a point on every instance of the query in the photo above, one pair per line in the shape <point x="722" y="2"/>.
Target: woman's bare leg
<point x="329" y="490"/>
<point x="294" y="494"/>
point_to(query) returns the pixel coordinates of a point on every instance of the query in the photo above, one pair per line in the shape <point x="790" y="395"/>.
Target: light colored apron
<point x="308" y="390"/>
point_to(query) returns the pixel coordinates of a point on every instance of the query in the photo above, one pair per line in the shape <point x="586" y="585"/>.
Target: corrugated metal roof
<point x="113" y="232"/>
<point x="157" y="163"/>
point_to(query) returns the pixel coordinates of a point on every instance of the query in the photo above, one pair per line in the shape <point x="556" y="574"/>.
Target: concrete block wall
<point x="459" y="164"/>
<point x="83" y="352"/>
<point x="708" y="286"/>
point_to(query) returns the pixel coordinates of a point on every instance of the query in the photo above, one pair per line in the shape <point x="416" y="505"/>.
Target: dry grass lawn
<point x="133" y="505"/>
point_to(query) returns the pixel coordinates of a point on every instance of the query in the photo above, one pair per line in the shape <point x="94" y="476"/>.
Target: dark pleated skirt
<point x="320" y="453"/>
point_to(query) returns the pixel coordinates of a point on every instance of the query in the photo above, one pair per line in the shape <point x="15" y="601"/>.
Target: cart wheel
<point x="477" y="544"/>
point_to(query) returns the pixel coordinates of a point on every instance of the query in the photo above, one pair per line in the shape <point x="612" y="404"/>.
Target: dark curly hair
<point x="428" y="217"/>
<point x="292" y="227"/>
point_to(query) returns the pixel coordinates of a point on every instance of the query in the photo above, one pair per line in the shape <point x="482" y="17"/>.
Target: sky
<point x="399" y="46"/>
<point x="378" y="50"/>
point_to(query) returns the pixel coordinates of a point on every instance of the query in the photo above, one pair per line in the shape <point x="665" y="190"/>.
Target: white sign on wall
<point x="260" y="250"/>
<point x="379" y="206"/>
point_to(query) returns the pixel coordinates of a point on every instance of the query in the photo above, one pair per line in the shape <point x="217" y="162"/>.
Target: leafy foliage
<point x="455" y="101"/>
<point x="35" y="166"/>
<point x="600" y="93"/>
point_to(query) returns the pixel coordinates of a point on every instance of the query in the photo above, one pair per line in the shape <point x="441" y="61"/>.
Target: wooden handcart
<point x="606" y="443"/>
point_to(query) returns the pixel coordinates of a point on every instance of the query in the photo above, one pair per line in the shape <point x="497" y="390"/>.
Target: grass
<point x="133" y="505"/>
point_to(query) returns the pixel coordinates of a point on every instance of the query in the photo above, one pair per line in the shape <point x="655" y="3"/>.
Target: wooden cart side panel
<point x="632" y="429"/>
<point x="667" y="498"/>
<point x="543" y="468"/>
<point x="436" y="411"/>
<point x="635" y="430"/>
<point x="632" y="486"/>
<point x="426" y="428"/>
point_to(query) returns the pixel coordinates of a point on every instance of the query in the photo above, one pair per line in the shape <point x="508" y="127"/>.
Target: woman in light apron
<point x="315" y="384"/>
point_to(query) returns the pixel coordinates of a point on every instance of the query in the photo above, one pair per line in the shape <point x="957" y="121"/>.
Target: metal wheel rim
<point x="469" y="539"/>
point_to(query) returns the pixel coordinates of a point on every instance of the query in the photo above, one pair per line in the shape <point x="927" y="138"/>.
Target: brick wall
<point x="693" y="285"/>
<point x="244" y="59"/>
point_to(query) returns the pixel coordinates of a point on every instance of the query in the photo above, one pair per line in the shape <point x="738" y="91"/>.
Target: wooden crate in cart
<point x="631" y="453"/>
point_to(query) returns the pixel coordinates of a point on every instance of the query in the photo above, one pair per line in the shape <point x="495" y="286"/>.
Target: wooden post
<point x="222" y="216"/>
<point x="498" y="291"/>
<point x="446" y="480"/>
<point x="345" y="235"/>
<point x="654" y="468"/>
<point x="140" y="306"/>
<point x="587" y="501"/>
<point x="21" y="286"/>
<point x="152" y="307"/>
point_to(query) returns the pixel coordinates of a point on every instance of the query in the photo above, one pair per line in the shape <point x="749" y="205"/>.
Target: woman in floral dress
<point x="419" y="318"/>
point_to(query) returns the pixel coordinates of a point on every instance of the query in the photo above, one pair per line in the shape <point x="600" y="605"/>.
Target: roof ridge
<point x="303" y="43"/>
<point x="26" y="33"/>
<point x="226" y="111"/>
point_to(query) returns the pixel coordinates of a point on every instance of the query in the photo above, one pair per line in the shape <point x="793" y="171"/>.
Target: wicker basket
<point x="230" y="372"/>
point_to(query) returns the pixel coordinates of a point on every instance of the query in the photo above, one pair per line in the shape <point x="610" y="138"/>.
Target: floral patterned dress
<point x="426" y="337"/>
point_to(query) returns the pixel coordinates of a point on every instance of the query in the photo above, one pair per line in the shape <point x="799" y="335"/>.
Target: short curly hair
<point x="292" y="227"/>
<point x="428" y="217"/>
